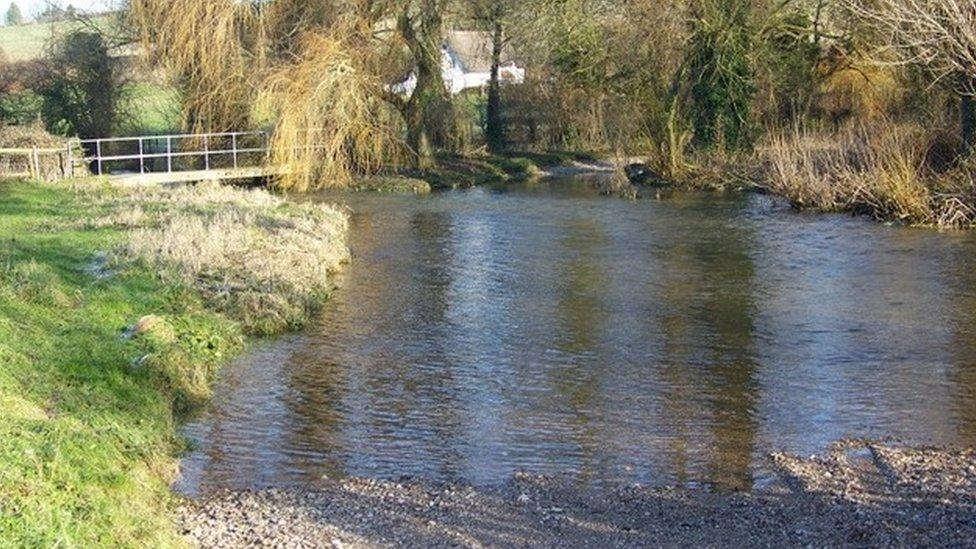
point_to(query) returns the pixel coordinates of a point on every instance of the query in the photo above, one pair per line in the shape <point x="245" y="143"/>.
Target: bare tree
<point x="936" y="35"/>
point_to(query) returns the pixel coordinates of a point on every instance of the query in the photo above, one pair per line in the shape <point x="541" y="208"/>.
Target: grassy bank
<point x="149" y="109"/>
<point x="116" y="309"/>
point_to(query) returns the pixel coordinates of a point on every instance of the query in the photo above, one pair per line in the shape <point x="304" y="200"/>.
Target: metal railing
<point x="177" y="152"/>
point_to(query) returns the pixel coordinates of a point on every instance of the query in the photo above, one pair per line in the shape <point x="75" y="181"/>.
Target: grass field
<point x="88" y="416"/>
<point x="149" y="109"/>
<point x="145" y="109"/>
<point x="29" y="41"/>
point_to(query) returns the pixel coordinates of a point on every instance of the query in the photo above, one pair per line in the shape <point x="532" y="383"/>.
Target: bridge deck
<point x="164" y="178"/>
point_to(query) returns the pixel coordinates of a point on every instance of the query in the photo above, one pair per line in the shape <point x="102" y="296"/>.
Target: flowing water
<point x="545" y="329"/>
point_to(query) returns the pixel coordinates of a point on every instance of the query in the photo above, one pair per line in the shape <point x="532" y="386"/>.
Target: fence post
<point x="69" y="169"/>
<point x="169" y="154"/>
<point x="98" y="152"/>
<point x="36" y="163"/>
<point x="142" y="158"/>
<point x="206" y="152"/>
<point x="233" y="139"/>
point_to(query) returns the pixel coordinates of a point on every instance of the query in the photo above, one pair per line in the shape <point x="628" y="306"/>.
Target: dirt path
<point x="857" y="494"/>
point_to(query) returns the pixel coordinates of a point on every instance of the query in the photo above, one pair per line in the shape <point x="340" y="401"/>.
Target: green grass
<point x="87" y="439"/>
<point x="28" y="42"/>
<point x="149" y="109"/>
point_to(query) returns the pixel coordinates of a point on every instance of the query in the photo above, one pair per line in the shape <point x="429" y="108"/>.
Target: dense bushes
<point x="75" y="90"/>
<point x="19" y="103"/>
<point x="722" y="77"/>
<point x="21" y="107"/>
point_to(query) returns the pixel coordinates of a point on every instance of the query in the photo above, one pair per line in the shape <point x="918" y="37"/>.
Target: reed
<point x="883" y="169"/>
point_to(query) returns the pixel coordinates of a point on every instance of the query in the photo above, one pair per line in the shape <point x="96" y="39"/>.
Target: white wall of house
<point x="457" y="78"/>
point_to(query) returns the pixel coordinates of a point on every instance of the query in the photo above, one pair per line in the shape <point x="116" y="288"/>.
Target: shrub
<point x="855" y="90"/>
<point x="79" y="86"/>
<point x="723" y="82"/>
<point x="19" y="104"/>
<point x="21" y="107"/>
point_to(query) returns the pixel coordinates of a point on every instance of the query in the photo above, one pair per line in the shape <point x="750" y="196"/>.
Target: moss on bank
<point x="89" y="393"/>
<point x="391" y="184"/>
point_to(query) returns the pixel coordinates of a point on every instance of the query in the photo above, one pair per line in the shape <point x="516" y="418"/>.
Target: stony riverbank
<point x="856" y="494"/>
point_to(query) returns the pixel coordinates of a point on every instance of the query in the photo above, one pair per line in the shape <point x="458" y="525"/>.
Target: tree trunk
<point x="495" y="130"/>
<point x="417" y="137"/>
<point x="427" y="108"/>
<point x="968" y="110"/>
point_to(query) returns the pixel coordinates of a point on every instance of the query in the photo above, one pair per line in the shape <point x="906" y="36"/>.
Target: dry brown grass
<point x="262" y="260"/>
<point x="883" y="170"/>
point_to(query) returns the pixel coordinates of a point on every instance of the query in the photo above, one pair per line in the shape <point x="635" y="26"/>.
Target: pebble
<point x="886" y="502"/>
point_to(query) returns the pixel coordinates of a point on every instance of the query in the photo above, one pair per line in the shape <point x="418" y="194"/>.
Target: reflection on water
<point x="542" y="328"/>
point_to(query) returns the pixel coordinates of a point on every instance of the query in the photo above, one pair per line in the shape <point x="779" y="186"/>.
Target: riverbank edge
<point x="99" y="358"/>
<point x="458" y="171"/>
<point x="856" y="493"/>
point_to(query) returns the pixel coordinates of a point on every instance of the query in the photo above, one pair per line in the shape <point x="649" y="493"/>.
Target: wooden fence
<point x="36" y="163"/>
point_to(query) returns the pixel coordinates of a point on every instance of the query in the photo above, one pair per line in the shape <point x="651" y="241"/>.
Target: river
<point x="542" y="328"/>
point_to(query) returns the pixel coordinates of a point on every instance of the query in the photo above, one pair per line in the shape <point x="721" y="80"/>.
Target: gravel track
<point x="856" y="494"/>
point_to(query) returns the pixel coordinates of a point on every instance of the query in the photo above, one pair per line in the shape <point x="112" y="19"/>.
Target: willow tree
<point x="320" y="71"/>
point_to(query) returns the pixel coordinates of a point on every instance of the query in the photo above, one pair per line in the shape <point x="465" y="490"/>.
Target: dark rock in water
<point x="642" y="174"/>
<point x="618" y="186"/>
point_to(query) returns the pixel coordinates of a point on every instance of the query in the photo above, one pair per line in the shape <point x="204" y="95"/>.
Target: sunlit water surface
<point x="545" y="329"/>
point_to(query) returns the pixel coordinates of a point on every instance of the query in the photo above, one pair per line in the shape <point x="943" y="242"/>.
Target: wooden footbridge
<point x="155" y="159"/>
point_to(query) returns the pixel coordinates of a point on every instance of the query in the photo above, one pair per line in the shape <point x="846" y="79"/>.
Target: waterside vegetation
<point x="117" y="307"/>
<point x="706" y="93"/>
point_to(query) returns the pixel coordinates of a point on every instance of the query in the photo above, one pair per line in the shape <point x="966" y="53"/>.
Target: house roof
<point x="473" y="49"/>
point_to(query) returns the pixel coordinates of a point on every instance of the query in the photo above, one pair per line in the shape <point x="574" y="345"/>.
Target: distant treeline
<point x="703" y="89"/>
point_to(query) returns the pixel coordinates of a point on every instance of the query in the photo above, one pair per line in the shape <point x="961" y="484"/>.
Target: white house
<point x="466" y="64"/>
